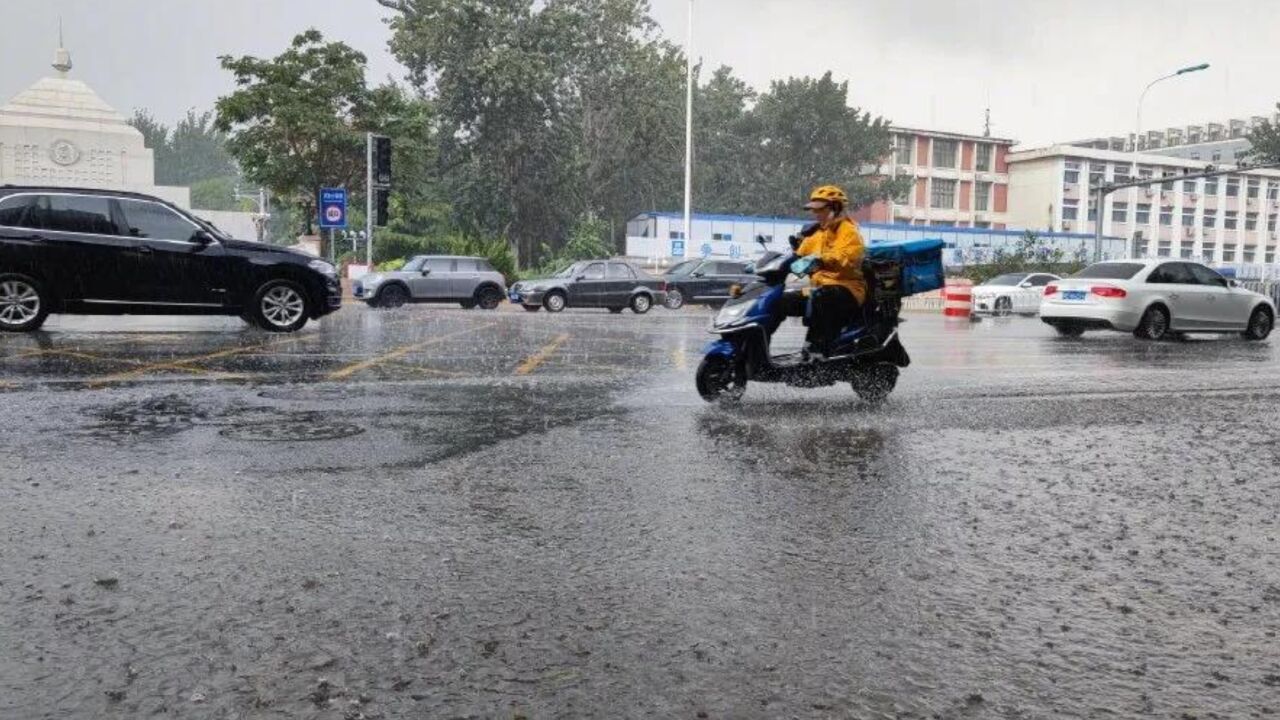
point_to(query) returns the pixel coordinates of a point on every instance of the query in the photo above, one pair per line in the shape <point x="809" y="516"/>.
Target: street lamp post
<point x="688" y="138"/>
<point x="1138" y="126"/>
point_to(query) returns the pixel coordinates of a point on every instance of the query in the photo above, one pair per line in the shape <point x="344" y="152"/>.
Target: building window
<point x="1233" y="187"/>
<point x="1211" y="186"/>
<point x="722" y="237"/>
<point x="1270" y="256"/>
<point x="1120" y="212"/>
<point x="1097" y="175"/>
<point x="1167" y="184"/>
<point x="1143" y="215"/>
<point x="1228" y="254"/>
<point x="984" y="158"/>
<point x="1166" y="216"/>
<point x="1188" y="217"/>
<point x="1210" y="219"/>
<point x="1122" y="173"/>
<point x="981" y="224"/>
<point x="943" y="223"/>
<point x="1217" y="155"/>
<point x="1070" y="209"/>
<point x="1273" y="191"/>
<point x="1248" y="255"/>
<point x="1195" y="155"/>
<point x="902" y="149"/>
<point x="944" y="154"/>
<point x="1145" y="173"/>
<point x="1271" y="222"/>
<point x="1251" y="221"/>
<point x="1229" y="219"/>
<point x="982" y="198"/>
<point x="1071" y="175"/>
<point x="943" y="194"/>
<point x="1187" y="249"/>
<point x="1093" y="210"/>
<point x="1188" y="186"/>
<point x="1254" y="185"/>
<point x="673" y="235"/>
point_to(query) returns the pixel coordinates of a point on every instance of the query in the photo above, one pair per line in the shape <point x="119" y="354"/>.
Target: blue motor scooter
<point x="868" y="353"/>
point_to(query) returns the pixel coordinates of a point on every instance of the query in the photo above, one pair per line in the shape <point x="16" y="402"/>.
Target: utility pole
<point x="368" y="201"/>
<point x="688" y="139"/>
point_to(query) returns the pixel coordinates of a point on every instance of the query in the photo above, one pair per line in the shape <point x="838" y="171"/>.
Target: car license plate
<point x="1074" y="294"/>
<point x="514" y="297"/>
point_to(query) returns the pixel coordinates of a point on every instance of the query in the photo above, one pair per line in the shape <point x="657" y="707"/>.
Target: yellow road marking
<point x="185" y="362"/>
<point x="352" y="369"/>
<point x="532" y="362"/>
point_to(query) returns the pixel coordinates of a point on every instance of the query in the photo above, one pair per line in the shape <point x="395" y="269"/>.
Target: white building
<point x="58" y="132"/>
<point x="658" y="240"/>
<point x="1228" y="220"/>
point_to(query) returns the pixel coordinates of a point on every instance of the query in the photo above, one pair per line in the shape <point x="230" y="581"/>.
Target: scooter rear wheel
<point x="718" y="380"/>
<point x="874" y="384"/>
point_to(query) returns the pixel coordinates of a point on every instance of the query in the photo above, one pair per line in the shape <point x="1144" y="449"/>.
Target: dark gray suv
<point x="469" y="281"/>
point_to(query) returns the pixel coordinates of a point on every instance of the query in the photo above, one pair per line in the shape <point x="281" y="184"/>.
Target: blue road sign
<point x="735" y="251"/>
<point x="677" y="248"/>
<point x="333" y="208"/>
<point x="706" y="250"/>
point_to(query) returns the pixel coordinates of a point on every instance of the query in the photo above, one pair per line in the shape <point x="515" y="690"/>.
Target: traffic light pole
<point x="368" y="198"/>
<point x="1101" y="192"/>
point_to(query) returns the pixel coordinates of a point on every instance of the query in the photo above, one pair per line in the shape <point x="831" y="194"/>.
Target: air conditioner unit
<point x="1193" y="197"/>
<point x="1190" y="233"/>
<point x="1150" y="192"/>
<point x="1066" y="226"/>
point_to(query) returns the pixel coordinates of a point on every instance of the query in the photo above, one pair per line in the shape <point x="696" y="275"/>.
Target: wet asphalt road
<point x="437" y="513"/>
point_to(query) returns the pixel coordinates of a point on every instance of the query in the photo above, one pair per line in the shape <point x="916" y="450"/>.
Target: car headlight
<point x="323" y="267"/>
<point x="371" y="279"/>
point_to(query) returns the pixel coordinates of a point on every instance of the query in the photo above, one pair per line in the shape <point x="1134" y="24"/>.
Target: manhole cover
<point x="291" y="431"/>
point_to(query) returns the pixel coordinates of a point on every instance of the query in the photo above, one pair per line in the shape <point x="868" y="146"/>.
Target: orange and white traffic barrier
<point x="957" y="298"/>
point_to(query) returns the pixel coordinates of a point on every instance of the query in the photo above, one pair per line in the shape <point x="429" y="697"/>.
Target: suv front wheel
<point x="280" y="306"/>
<point x="23" y="304"/>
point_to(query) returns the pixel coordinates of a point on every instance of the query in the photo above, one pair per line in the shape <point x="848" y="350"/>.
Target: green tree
<point x="806" y="134"/>
<point x="197" y="151"/>
<point x="1265" y="139"/>
<point x="725" y="143"/>
<point x="155" y="136"/>
<point x="296" y="122"/>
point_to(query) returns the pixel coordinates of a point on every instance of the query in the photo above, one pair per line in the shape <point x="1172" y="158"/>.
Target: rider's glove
<point x="805" y="265"/>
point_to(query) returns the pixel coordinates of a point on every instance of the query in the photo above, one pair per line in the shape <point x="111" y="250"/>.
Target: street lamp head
<point x="1193" y="68"/>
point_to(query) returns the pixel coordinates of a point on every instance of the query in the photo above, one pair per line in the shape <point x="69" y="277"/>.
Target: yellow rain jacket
<point x="841" y="249"/>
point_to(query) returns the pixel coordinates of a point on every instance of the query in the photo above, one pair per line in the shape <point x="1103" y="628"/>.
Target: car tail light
<point x="666" y="286"/>
<point x="1051" y="290"/>
<point x="1107" y="291"/>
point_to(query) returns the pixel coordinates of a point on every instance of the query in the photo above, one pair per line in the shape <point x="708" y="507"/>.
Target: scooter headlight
<point x="731" y="314"/>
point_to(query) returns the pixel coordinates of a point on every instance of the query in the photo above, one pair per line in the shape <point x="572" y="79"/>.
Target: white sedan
<point x="1155" y="299"/>
<point x="1011" y="293"/>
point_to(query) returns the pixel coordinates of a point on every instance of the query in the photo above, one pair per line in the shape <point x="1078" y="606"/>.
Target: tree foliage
<point x="1265" y="139"/>
<point x="297" y="122"/>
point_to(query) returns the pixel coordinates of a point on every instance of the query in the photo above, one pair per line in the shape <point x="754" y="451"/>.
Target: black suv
<point x="704" y="282"/>
<point x="106" y="252"/>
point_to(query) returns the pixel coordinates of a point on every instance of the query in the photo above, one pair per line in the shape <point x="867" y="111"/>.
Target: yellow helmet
<point x="827" y="194"/>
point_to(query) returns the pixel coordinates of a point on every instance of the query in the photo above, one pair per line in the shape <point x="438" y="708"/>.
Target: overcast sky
<point x="1050" y="70"/>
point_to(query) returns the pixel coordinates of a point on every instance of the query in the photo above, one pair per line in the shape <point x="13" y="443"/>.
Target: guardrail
<point x="1270" y="288"/>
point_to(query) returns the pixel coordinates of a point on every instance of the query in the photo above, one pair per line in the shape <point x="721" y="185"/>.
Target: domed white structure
<point x="59" y="132"/>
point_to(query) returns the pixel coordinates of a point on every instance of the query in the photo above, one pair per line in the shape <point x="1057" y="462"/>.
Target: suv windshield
<point x="1007" y="279"/>
<point x="683" y="268"/>
<point x="1109" y="271"/>
<point x="569" y="271"/>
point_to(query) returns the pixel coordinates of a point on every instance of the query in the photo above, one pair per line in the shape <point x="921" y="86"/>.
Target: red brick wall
<point x="877" y="212"/>
<point x="998" y="226"/>
<point x="1001" y="199"/>
<point x="922" y="152"/>
<point x="922" y="200"/>
<point x="966" y="189"/>
<point x="1002" y="162"/>
<point x="966" y="156"/>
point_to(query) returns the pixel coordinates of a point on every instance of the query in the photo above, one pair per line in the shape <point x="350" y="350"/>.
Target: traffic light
<point x="380" y="198"/>
<point x="382" y="160"/>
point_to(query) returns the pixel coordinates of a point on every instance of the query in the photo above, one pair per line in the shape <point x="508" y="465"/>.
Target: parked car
<point x="1011" y="293"/>
<point x="107" y="252"/>
<point x="612" y="284"/>
<point x="1154" y="299"/>
<point x="469" y="281"/>
<point x="703" y="282"/>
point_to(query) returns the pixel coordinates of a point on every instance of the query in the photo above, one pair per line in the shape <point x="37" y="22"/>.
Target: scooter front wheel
<point x="718" y="380"/>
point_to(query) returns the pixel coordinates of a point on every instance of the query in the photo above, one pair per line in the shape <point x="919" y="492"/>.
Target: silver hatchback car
<point x="469" y="281"/>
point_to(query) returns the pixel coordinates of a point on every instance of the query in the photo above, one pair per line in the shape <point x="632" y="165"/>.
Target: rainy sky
<point x="1049" y="70"/>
